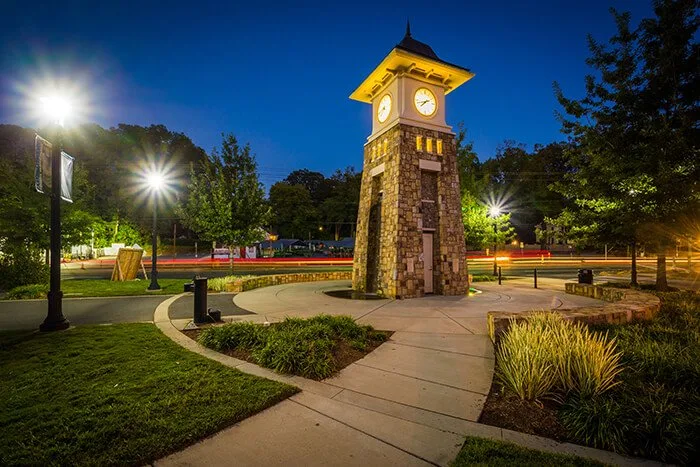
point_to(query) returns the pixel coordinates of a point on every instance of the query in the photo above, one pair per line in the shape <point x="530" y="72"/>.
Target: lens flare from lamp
<point x="494" y="211"/>
<point x="155" y="181"/>
<point x="57" y="108"/>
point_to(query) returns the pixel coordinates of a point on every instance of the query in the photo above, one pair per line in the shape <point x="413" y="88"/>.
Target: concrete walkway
<point x="410" y="402"/>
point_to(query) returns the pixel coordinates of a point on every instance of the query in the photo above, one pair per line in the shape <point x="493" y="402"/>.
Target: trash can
<point x="585" y="276"/>
<point x="200" y="300"/>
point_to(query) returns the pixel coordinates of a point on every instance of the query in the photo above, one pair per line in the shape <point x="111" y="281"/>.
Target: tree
<point x="607" y="188"/>
<point x="669" y="99"/>
<point x="471" y="178"/>
<point x="316" y="183"/>
<point x="479" y="226"/>
<point x="634" y="135"/>
<point x="340" y="207"/>
<point x="293" y="212"/>
<point x="226" y="201"/>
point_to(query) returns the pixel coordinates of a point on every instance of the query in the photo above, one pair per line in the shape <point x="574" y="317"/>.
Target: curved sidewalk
<point x="410" y="402"/>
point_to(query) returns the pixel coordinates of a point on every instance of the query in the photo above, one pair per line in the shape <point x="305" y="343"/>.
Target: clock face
<point x="384" y="108"/>
<point x="425" y="102"/>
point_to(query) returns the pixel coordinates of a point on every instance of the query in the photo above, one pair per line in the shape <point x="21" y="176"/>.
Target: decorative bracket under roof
<point x="403" y="62"/>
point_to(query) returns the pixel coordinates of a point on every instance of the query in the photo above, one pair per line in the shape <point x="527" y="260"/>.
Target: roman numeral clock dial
<point x="425" y="102"/>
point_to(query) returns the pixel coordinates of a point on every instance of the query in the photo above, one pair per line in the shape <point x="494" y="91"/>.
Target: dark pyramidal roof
<point x="409" y="44"/>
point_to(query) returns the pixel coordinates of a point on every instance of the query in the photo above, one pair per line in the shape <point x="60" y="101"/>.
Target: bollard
<point x="200" y="300"/>
<point x="499" y="275"/>
<point x="535" y="277"/>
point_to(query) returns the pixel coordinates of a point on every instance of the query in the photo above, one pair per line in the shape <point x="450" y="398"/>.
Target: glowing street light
<point x="155" y="181"/>
<point x="494" y="212"/>
<point x="56" y="108"/>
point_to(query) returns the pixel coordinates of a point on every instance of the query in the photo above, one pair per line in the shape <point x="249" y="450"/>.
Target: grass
<point x="115" y="395"/>
<point x="98" y="288"/>
<point x="303" y="347"/>
<point x="486" y="278"/>
<point x="486" y="452"/>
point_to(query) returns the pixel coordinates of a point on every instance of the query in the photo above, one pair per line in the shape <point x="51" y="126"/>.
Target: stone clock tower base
<point x="410" y="235"/>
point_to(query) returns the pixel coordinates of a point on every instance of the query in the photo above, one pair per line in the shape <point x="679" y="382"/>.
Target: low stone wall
<point x="251" y="283"/>
<point x="624" y="305"/>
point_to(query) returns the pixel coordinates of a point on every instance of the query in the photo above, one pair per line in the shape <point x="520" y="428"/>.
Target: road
<point x="29" y="314"/>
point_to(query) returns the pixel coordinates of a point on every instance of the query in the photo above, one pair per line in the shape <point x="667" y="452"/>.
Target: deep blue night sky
<point x="279" y="76"/>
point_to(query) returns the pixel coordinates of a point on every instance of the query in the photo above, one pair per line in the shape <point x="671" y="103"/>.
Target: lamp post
<point x="155" y="183"/>
<point x="494" y="212"/>
<point x="57" y="109"/>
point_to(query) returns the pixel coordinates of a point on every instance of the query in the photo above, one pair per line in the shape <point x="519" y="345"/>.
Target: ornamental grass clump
<point x="548" y="356"/>
<point x="524" y="361"/>
<point x="218" y="284"/>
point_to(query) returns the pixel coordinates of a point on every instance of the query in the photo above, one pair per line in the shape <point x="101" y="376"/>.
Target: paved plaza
<point x="410" y="402"/>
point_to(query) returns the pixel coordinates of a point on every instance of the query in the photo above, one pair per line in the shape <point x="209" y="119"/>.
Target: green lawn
<point x="98" y="288"/>
<point x="486" y="452"/>
<point x="119" y="394"/>
<point x="107" y="288"/>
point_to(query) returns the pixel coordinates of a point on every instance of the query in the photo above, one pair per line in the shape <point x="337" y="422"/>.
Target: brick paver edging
<point x="250" y="283"/>
<point x="624" y="305"/>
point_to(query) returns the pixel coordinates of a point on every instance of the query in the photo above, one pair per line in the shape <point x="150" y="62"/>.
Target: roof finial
<point x="408" y="28"/>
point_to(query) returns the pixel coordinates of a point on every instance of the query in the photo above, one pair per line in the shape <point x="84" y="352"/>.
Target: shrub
<point x="298" y="346"/>
<point x="599" y="422"/>
<point x="28" y="291"/>
<point x="655" y="411"/>
<point x="218" y="284"/>
<point x="680" y="310"/>
<point x="660" y="425"/>
<point x="305" y="351"/>
<point x="19" y="266"/>
<point x="547" y="354"/>
<point x="233" y="336"/>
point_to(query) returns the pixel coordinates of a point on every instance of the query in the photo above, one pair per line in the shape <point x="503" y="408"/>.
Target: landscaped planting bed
<point x="314" y="348"/>
<point x="630" y="388"/>
<point x="488" y="452"/>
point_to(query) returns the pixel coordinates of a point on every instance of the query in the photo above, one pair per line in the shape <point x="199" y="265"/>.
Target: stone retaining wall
<point x="624" y="305"/>
<point x="241" y="285"/>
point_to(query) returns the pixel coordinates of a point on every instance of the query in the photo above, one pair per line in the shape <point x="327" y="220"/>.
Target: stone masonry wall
<point x="624" y="306"/>
<point x="401" y="264"/>
<point x="250" y="283"/>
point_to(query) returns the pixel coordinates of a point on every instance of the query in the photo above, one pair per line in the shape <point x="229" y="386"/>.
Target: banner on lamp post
<point x="42" y="164"/>
<point x="66" y="177"/>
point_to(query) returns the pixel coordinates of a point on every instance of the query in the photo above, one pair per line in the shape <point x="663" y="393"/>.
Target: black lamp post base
<point x="55" y="321"/>
<point x="153" y="289"/>
<point x="59" y="325"/>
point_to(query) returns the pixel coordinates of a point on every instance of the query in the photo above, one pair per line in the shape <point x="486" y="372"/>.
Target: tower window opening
<point x="419" y="143"/>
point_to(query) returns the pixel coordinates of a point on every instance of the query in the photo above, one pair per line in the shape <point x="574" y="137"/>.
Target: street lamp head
<point x="494" y="211"/>
<point x="155" y="181"/>
<point x="56" y="107"/>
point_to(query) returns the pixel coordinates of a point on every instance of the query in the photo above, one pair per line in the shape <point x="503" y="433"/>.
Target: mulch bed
<point x="510" y="412"/>
<point x="343" y="353"/>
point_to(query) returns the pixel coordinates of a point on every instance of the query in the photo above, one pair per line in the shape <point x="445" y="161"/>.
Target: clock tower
<point x="410" y="235"/>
